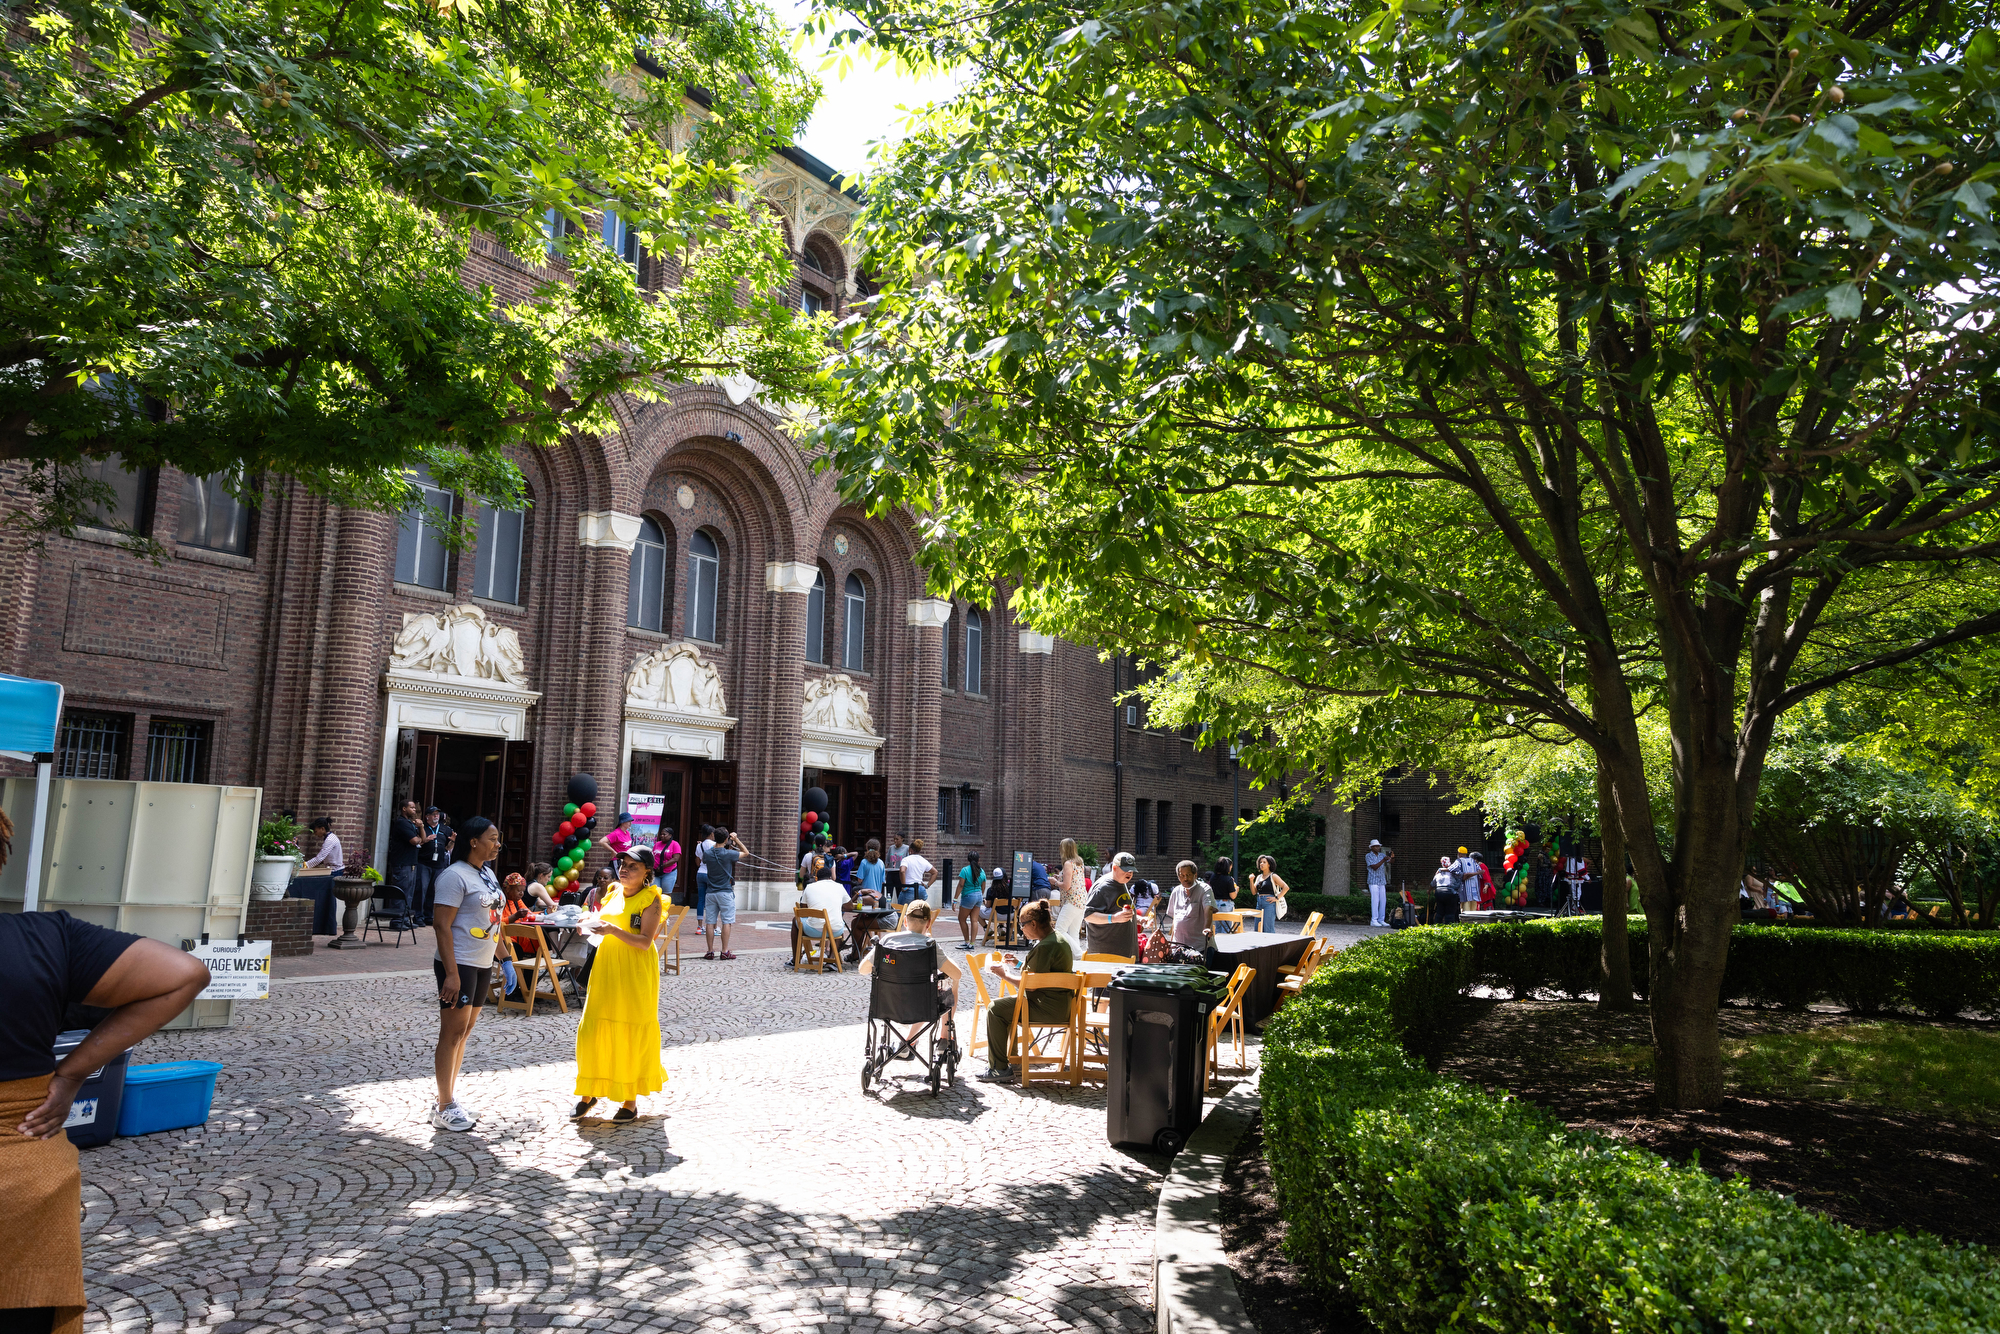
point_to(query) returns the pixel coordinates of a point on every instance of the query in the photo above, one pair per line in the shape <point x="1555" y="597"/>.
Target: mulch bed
<point x="1253" y="1233"/>
<point x="1861" y="1165"/>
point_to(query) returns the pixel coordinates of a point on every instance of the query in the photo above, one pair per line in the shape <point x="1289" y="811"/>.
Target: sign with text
<point x="239" y="971"/>
<point x="646" y="811"/>
<point x="1021" y="882"/>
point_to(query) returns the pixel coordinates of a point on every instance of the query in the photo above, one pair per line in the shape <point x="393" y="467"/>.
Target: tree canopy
<point x="238" y="228"/>
<point x="1560" y="366"/>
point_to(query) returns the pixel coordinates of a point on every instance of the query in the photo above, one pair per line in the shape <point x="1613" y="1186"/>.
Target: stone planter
<point x="352" y="891"/>
<point x="270" y="876"/>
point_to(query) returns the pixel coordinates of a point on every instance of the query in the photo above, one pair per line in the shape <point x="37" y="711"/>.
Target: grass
<point x="1902" y="1067"/>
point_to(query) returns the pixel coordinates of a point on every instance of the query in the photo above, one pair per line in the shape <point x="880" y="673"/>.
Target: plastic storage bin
<point x="170" y="1095"/>
<point x="93" y="1114"/>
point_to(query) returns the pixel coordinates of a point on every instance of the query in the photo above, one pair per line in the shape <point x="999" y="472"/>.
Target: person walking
<point x="1072" y="895"/>
<point x="1377" y="862"/>
<point x="917" y="873"/>
<point x="1269" y="889"/>
<point x="618" y="1040"/>
<point x="971" y="901"/>
<point x="720" y="910"/>
<point x="464" y="916"/>
<point x="406" y="848"/>
<point x="47" y="961"/>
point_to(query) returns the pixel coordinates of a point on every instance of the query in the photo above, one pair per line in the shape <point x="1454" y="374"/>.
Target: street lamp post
<point x="1235" y="806"/>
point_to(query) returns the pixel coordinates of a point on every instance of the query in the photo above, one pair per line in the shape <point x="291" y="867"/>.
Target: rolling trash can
<point x="1159" y="1048"/>
<point x="93" y="1114"/>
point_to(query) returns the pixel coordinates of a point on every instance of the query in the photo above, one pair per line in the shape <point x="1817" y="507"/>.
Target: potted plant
<point x="277" y="857"/>
<point x="353" y="889"/>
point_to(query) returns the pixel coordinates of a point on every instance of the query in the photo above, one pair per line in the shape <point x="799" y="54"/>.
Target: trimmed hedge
<point x="1441" y="1206"/>
<point x="1936" y="973"/>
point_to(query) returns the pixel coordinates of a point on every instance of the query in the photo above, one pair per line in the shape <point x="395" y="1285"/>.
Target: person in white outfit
<point x="1377" y="861"/>
<point x="1468" y="878"/>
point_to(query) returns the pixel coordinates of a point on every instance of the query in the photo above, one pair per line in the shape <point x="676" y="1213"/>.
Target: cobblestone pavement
<point x="762" y="1190"/>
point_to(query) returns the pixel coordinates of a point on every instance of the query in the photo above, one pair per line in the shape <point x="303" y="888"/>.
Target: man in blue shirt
<point x="1038" y="880"/>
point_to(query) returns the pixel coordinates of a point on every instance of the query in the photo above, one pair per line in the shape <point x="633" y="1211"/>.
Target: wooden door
<point x="714" y="799"/>
<point x="669" y="780"/>
<point x="517" y="773"/>
<point x="405" y="787"/>
<point x="867" y="811"/>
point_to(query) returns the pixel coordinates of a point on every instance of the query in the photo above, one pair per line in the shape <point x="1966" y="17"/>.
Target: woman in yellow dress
<point x="618" y="1042"/>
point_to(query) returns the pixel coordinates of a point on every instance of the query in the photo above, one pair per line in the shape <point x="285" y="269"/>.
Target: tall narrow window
<point x="855" y="629"/>
<point x="1142" y="823"/>
<point x="177" y="751"/>
<point x="421" y="557"/>
<point x="1195" y="814"/>
<point x="646" y="588"/>
<point x="1215" y="822"/>
<point x="620" y="238"/>
<point x="949" y="681"/>
<point x="975" y="666"/>
<point x="1163" y="839"/>
<point x="496" y="571"/>
<point x="704" y="574"/>
<point x="816" y="619"/>
<point x="555" y="227"/>
<point x="211" y="517"/>
<point x="968" y="812"/>
<point x="130" y="508"/>
<point x="944" y="810"/>
<point x="93" y="745"/>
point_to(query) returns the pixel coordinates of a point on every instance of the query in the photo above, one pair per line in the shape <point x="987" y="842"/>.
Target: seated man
<point x="1051" y="954"/>
<point x="828" y="896"/>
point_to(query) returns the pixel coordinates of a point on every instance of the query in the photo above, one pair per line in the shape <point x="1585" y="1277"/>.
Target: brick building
<point x="687" y="609"/>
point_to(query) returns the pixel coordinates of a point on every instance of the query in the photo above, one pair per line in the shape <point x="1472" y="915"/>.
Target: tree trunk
<point x="1615" y="990"/>
<point x="1689" y="919"/>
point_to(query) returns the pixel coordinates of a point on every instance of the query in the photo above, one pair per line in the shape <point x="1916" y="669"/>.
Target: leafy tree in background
<point x="1567" y="365"/>
<point x="236" y="231"/>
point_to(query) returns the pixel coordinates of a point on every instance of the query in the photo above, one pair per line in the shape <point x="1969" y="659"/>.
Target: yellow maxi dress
<point x="618" y="1042"/>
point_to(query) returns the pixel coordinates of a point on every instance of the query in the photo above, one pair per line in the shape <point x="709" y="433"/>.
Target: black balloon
<point x="582" y="788"/>
<point x="569" y="844"/>
<point x="591" y="823"/>
<point x="816" y="799"/>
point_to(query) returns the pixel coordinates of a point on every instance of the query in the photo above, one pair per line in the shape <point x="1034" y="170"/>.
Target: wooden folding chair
<point x="1310" y="930"/>
<point x="1316" y="954"/>
<point x="815" y="955"/>
<point x="670" y="930"/>
<point x="1093" y="1052"/>
<point x="977" y="964"/>
<point x="1228" y="1018"/>
<point x="1029" y="1032"/>
<point x="531" y="969"/>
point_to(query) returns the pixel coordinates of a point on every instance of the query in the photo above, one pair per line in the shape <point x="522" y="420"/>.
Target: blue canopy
<point x="28" y="713"/>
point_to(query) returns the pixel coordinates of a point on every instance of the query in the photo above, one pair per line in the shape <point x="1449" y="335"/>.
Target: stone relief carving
<point x="460" y="641"/>
<point x="675" y="677"/>
<point x="837" y="704"/>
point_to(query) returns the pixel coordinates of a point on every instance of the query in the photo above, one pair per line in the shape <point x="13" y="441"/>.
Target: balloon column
<point x="572" y="838"/>
<point x="1519" y="870"/>
<point x="815" y="829"/>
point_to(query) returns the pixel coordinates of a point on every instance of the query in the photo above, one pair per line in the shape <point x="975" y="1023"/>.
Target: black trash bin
<point x="1159" y="1048"/>
<point x="93" y="1113"/>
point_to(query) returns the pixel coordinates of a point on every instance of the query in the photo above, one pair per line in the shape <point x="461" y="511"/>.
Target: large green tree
<point x="1557" y="362"/>
<point x="236" y="230"/>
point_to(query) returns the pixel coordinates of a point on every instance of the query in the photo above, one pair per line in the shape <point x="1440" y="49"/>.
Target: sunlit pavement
<point x="761" y="1190"/>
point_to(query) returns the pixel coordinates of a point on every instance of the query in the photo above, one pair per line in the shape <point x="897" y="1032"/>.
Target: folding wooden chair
<point x="1310" y="930"/>
<point x="1228" y="1018"/>
<point x="977" y="964"/>
<point x="531" y="969"/>
<point x="810" y="954"/>
<point x="1093" y="1051"/>
<point x="1289" y="987"/>
<point x="670" y="930"/>
<point x="1030" y="1032"/>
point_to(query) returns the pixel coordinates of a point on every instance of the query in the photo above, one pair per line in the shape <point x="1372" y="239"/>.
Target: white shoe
<point x="453" y="1117"/>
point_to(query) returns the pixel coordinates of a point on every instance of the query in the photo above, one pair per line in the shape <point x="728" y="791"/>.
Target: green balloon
<point x="564" y="864"/>
<point x="569" y="810"/>
<point x="583" y="846"/>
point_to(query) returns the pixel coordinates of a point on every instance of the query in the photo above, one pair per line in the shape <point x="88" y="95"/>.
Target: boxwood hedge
<point x="1441" y="1206"/>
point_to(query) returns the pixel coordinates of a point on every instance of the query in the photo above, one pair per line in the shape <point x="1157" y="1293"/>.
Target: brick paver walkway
<point x="762" y="1190"/>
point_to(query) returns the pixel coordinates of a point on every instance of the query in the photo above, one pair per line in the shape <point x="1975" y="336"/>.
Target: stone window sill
<point x="228" y="560"/>
<point x="422" y="591"/>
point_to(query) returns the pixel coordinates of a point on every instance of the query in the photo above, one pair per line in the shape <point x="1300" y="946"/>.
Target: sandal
<point x="584" y="1105"/>
<point x="625" y="1114"/>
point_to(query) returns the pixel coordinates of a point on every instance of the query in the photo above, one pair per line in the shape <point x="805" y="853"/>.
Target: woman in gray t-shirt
<point x="466" y="915"/>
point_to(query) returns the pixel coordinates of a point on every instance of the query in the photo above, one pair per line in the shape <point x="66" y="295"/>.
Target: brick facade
<point x="286" y="923"/>
<point x="282" y="651"/>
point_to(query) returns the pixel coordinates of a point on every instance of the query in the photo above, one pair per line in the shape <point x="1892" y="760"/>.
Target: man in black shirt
<point x="1110" y="922"/>
<point x="435" y="855"/>
<point x="406" y="843"/>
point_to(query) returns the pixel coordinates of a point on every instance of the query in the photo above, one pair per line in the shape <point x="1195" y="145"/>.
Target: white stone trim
<point x="929" y="611"/>
<point x="607" y="528"/>
<point x="1034" y="643"/>
<point x="790" y="576"/>
<point x="847" y="752"/>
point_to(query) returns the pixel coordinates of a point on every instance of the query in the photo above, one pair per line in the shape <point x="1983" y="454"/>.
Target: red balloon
<point x="804" y="828"/>
<point x="812" y="818"/>
<point x="588" y="809"/>
<point x="557" y="841"/>
<point x="564" y="830"/>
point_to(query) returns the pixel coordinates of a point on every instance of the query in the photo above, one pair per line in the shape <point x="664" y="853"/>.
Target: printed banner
<point x="240" y="971"/>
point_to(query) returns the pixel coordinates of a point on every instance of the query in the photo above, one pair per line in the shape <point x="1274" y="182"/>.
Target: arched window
<point x="855" y="619"/>
<point x="975" y="632"/>
<point x="816" y="619"/>
<point x="646" y="594"/>
<point x="704" y="576"/>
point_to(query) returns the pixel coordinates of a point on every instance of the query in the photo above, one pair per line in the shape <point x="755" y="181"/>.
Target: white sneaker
<point x="453" y="1117"/>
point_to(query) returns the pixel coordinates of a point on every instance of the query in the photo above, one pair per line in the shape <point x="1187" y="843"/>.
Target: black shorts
<point x="473" y="984"/>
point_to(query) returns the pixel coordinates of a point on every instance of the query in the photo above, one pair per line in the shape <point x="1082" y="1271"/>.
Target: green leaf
<point x="1844" y="302"/>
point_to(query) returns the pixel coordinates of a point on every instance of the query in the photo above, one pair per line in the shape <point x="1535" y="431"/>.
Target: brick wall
<point x="286" y="923"/>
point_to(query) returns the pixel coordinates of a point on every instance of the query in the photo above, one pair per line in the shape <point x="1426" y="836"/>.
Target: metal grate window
<point x="93" y="745"/>
<point x="968" y="812"/>
<point x="177" y="751"/>
<point x="944" y="810"/>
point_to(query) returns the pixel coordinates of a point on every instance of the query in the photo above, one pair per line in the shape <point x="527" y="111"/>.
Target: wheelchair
<point x="910" y="991"/>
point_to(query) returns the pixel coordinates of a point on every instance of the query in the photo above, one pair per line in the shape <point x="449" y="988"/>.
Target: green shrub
<point x="1441" y="1206"/>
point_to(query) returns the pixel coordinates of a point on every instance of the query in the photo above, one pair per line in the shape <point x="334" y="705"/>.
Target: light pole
<point x="1235" y="806"/>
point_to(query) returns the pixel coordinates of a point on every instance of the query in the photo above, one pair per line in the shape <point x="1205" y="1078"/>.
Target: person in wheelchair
<point x="926" y="1033"/>
<point x="920" y="919"/>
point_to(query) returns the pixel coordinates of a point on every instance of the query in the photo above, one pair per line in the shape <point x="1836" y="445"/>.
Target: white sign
<point x="82" y="1112"/>
<point x="241" y="971"/>
<point x="647" y="812"/>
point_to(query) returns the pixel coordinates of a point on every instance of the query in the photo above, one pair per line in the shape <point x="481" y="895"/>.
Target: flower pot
<point x="270" y="875"/>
